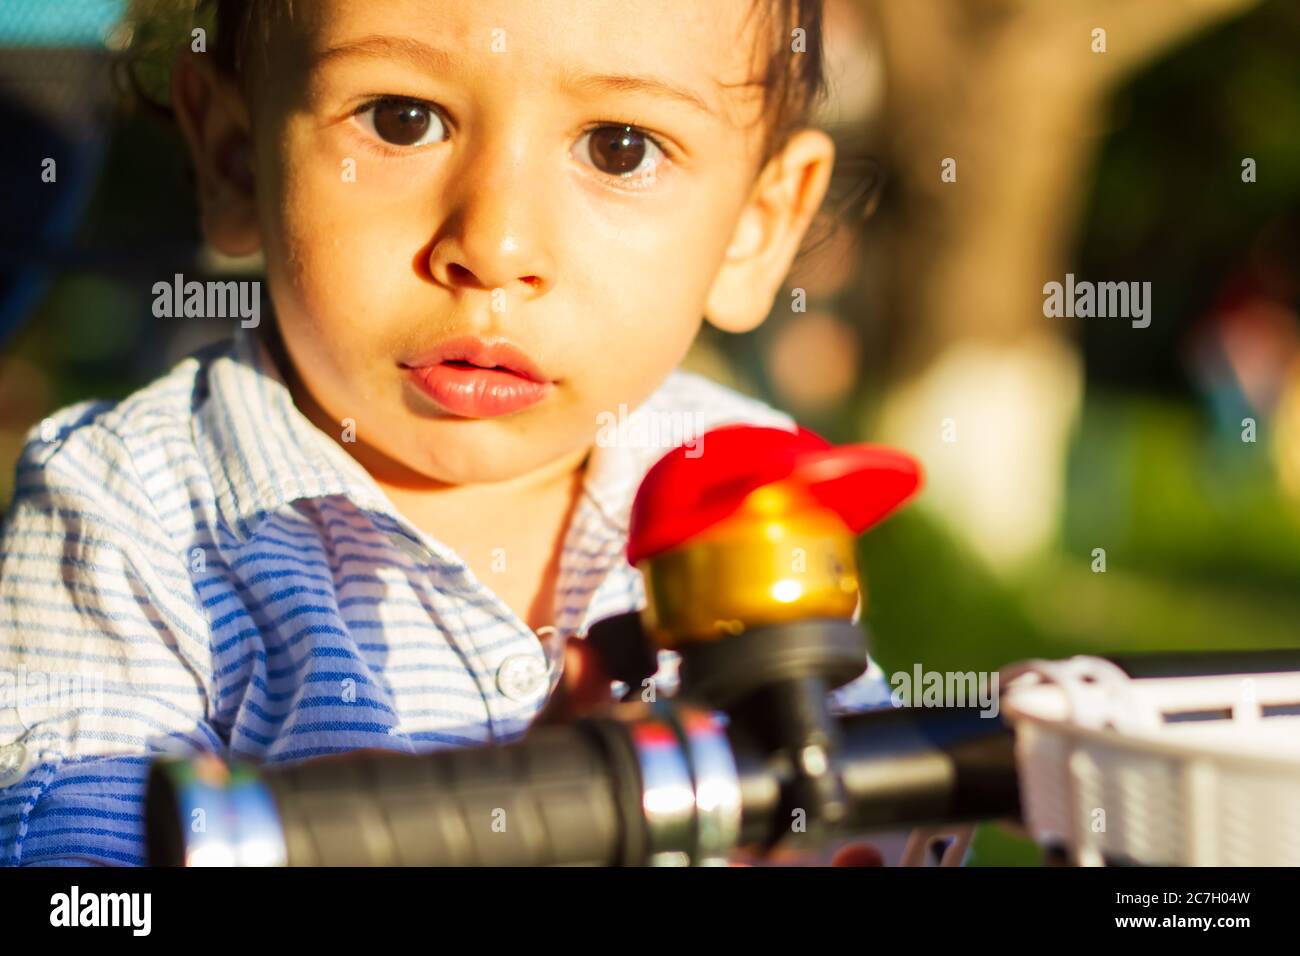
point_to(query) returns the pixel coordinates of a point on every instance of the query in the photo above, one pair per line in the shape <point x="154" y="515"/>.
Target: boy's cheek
<point x="346" y="277"/>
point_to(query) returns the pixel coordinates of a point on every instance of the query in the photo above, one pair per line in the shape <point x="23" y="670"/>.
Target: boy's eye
<point x="620" y="151"/>
<point x="402" y="122"/>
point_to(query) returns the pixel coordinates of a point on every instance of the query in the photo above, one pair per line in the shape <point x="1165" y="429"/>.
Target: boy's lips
<point x="476" y="379"/>
<point x="471" y="350"/>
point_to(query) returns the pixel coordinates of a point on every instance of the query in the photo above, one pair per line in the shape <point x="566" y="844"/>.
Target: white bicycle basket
<point x="1181" y="771"/>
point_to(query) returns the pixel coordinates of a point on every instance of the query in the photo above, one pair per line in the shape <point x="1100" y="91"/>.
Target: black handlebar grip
<point x="563" y="795"/>
<point x="914" y="766"/>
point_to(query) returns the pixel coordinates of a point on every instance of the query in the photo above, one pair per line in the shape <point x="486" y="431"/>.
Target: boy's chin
<point x="500" y="460"/>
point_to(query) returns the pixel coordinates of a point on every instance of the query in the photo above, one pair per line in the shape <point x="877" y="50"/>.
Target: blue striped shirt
<point x="199" y="568"/>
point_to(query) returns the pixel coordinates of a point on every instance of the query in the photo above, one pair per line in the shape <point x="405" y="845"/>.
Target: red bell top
<point x="691" y="489"/>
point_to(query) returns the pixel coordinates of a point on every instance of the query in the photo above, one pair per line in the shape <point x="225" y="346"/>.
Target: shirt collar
<point x="260" y="450"/>
<point x="263" y="453"/>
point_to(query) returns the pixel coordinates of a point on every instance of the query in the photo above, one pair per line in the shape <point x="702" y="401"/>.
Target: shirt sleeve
<point x="868" y="691"/>
<point x="105" y="663"/>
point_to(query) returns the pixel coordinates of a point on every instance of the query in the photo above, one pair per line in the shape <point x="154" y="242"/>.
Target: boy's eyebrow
<point x="434" y="59"/>
<point x="628" y="83"/>
<point x="382" y="47"/>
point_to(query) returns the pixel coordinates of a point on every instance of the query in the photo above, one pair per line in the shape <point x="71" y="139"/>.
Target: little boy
<point x="377" y="518"/>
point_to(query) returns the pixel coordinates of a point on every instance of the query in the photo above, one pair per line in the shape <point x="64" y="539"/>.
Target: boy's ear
<point x="214" y="120"/>
<point x="787" y="195"/>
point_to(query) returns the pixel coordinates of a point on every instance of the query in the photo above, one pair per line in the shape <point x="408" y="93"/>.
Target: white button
<point x="521" y="676"/>
<point x="666" y="679"/>
<point x="13" y="761"/>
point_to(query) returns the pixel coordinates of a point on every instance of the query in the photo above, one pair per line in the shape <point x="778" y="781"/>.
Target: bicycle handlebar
<point x="659" y="784"/>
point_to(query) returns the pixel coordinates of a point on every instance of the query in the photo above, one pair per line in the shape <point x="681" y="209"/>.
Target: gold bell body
<point x="781" y="557"/>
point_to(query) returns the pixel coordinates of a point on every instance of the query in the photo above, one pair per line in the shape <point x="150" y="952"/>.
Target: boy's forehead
<point x="709" y="51"/>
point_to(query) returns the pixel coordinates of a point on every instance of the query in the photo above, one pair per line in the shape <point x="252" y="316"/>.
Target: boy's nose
<point x="495" y="236"/>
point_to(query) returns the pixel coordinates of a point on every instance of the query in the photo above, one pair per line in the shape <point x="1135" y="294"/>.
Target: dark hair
<point x="793" y="81"/>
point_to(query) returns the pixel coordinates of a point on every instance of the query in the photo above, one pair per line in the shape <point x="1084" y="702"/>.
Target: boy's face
<point x="434" y="171"/>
